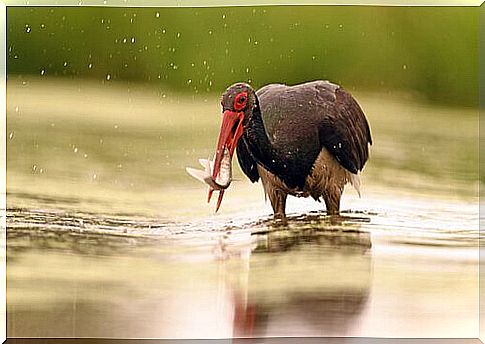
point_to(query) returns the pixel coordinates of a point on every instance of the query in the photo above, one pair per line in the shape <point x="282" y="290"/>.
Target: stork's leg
<point x="332" y="200"/>
<point x="278" y="202"/>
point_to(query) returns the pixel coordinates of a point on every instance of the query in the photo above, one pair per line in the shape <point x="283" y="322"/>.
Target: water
<point x="109" y="237"/>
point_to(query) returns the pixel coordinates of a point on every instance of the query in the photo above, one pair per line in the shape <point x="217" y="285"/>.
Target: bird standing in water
<point x="304" y="140"/>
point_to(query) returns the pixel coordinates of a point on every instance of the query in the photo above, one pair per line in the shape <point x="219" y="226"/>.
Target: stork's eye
<point x="240" y="101"/>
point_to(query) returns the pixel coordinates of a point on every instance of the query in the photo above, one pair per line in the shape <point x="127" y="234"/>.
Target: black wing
<point x="314" y="115"/>
<point x="344" y="131"/>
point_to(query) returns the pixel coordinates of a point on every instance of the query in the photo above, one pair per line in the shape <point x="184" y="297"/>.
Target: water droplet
<point x="34" y="168"/>
<point x="223" y="16"/>
<point x="116" y="126"/>
<point x="163" y="30"/>
<point x="75" y="149"/>
<point x="42" y="26"/>
<point x="189" y="81"/>
<point x="90" y="65"/>
<point x="132" y="39"/>
<point x="108" y="77"/>
<point x="17" y="109"/>
<point x="42" y="71"/>
<point x="27" y="28"/>
<point x="157" y="15"/>
<point x="85" y="155"/>
<point x="65" y="64"/>
<point x="95" y="176"/>
<point x="210" y="32"/>
<point x="11" y="135"/>
<point x="404" y="67"/>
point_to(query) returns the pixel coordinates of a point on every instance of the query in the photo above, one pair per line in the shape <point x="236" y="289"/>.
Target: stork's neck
<point x="260" y="146"/>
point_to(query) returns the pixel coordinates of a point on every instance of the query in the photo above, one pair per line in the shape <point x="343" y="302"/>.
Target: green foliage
<point x="430" y="51"/>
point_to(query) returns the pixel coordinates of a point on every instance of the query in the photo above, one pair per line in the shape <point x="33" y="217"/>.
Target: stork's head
<point x="237" y="103"/>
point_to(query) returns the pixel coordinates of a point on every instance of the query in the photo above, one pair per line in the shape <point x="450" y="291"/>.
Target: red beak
<point x="231" y="131"/>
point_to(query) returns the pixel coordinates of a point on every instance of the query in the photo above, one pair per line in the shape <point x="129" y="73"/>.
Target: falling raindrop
<point x="11" y="135"/>
<point x="132" y="39"/>
<point x="42" y="71"/>
<point x="157" y="15"/>
<point x="108" y="77"/>
<point x="178" y="34"/>
<point x="90" y="65"/>
<point x="65" y="64"/>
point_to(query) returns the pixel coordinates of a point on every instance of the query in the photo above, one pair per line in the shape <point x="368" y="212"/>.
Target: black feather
<point x="246" y="161"/>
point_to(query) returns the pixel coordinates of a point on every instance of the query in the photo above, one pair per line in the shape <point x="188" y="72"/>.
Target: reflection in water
<point x="281" y="279"/>
<point x="306" y="279"/>
<point x="91" y="275"/>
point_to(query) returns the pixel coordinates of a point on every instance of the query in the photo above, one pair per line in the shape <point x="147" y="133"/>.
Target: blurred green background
<point x="431" y="52"/>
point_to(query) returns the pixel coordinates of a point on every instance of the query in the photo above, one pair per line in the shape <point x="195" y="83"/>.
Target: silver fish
<point x="223" y="179"/>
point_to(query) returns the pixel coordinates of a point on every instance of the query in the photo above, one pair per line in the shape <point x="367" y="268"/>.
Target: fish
<point x="223" y="179"/>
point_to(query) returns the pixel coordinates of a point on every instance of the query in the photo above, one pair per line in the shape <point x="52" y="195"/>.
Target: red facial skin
<point x="229" y="135"/>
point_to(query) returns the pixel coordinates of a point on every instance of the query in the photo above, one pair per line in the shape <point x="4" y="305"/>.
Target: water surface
<point x="108" y="237"/>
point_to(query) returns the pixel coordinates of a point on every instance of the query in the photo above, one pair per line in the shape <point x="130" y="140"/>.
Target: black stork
<point x="304" y="140"/>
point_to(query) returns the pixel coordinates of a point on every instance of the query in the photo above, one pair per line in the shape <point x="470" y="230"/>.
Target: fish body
<point x="223" y="179"/>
